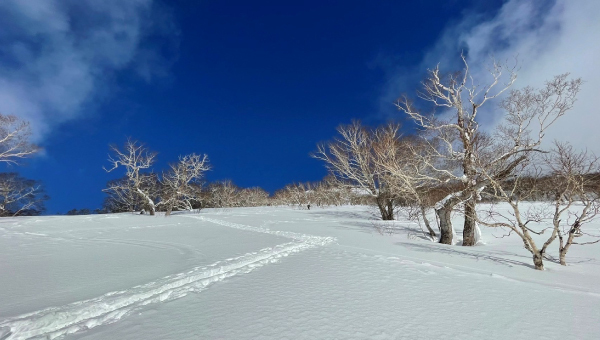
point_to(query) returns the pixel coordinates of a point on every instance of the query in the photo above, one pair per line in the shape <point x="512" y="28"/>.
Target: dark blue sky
<point x="253" y="84"/>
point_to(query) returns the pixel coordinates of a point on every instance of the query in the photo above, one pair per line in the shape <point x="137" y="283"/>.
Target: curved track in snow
<point x="54" y="322"/>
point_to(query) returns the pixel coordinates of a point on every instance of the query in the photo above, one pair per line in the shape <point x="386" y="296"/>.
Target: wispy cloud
<point x="57" y="56"/>
<point x="547" y="37"/>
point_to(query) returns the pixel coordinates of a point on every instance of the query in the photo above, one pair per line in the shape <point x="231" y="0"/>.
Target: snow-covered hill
<point x="280" y="273"/>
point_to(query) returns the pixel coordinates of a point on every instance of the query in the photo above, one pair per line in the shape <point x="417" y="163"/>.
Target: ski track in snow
<point x="54" y="322"/>
<point x="309" y="239"/>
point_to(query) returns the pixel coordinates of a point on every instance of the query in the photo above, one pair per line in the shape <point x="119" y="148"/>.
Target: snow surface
<point x="281" y="273"/>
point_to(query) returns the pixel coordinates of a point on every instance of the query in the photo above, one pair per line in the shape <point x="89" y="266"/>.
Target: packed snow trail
<point x="309" y="239"/>
<point x="54" y="322"/>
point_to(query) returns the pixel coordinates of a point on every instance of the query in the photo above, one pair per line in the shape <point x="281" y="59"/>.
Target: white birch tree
<point x="20" y="196"/>
<point x="351" y="160"/>
<point x="574" y="180"/>
<point x="525" y="114"/>
<point x="121" y="196"/>
<point x="15" y="135"/>
<point x="223" y="194"/>
<point x="403" y="161"/>
<point x="136" y="158"/>
<point x="182" y="181"/>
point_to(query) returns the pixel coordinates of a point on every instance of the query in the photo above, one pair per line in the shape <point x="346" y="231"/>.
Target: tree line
<point x="183" y="187"/>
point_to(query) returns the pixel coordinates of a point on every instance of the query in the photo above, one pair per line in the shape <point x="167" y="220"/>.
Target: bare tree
<point x="223" y="194"/>
<point x="351" y="160"/>
<point x="516" y="219"/>
<point x="573" y="179"/>
<point x="178" y="183"/>
<point x="458" y="142"/>
<point x="285" y="196"/>
<point x="328" y="192"/>
<point x="15" y="137"/>
<point x="121" y="196"/>
<point x="136" y="158"/>
<point x="253" y="197"/>
<point x="20" y="196"/>
<point x="295" y="194"/>
<point x="404" y="167"/>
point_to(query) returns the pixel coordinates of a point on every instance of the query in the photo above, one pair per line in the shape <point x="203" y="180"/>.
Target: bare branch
<point x="14" y="140"/>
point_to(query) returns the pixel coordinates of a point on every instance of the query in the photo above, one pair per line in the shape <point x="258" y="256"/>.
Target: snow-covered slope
<point x="279" y="273"/>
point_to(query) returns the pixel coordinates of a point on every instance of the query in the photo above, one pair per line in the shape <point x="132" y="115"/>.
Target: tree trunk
<point x="562" y="253"/>
<point x="149" y="202"/>
<point x="445" y="224"/>
<point x="563" y="249"/>
<point x="426" y="221"/>
<point x="470" y="223"/>
<point x="538" y="260"/>
<point x="386" y="208"/>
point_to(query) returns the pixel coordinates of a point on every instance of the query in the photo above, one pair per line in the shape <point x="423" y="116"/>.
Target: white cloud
<point x="549" y="38"/>
<point x="56" y="56"/>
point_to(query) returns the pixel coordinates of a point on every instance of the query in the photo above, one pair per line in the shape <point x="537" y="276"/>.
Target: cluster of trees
<point x="328" y="192"/>
<point x="182" y="187"/>
<point x="225" y="194"/>
<point x="85" y="211"/>
<point x="19" y="196"/>
<point x="178" y="188"/>
<point x="452" y="162"/>
<point x="123" y="197"/>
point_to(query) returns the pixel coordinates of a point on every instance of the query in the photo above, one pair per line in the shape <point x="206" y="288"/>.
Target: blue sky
<point x="253" y="84"/>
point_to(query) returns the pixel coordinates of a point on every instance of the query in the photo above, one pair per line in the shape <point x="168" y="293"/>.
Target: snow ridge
<point x="54" y="322"/>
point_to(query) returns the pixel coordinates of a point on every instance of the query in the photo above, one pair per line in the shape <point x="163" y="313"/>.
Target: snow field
<point x="110" y="307"/>
<point x="78" y="258"/>
<point x="345" y="280"/>
<point x="53" y="322"/>
<point x="335" y="293"/>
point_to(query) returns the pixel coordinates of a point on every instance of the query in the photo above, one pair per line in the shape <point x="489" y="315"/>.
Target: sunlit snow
<point x="282" y="273"/>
